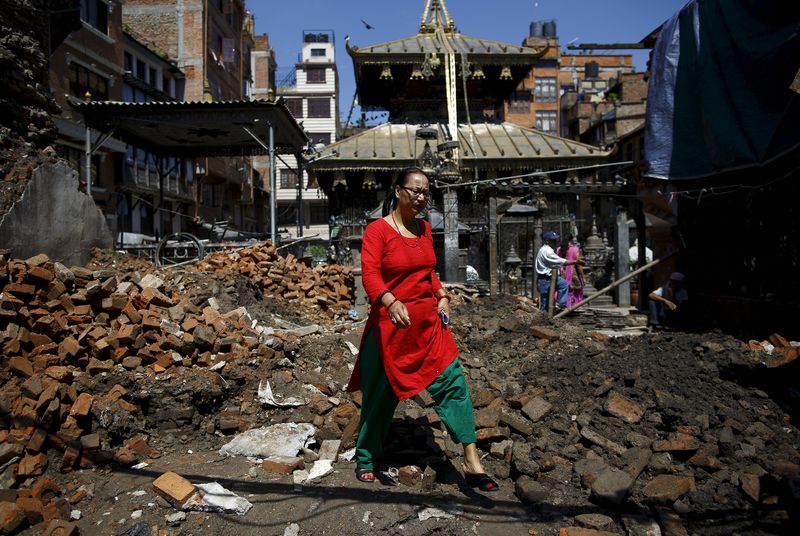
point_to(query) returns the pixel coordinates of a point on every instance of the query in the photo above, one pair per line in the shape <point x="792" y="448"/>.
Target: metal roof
<point x="389" y="145"/>
<point x="196" y="129"/>
<point x="416" y="46"/>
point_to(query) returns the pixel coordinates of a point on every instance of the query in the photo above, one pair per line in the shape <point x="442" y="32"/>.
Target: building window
<point x="82" y="80"/>
<point x="315" y="75"/>
<point x="215" y="44"/>
<point x="140" y="69"/>
<point x="153" y="79"/>
<point x="229" y="50"/>
<point x="295" y="106"/>
<point x="78" y="160"/>
<point x="288" y="178"/>
<point x="319" y="215"/>
<point x="287" y="215"/>
<point x="317" y="52"/>
<point x="319" y="107"/>
<point x="545" y="89"/>
<point x="520" y="102"/>
<point x="546" y="122"/>
<point x="128" y="61"/>
<point x="95" y="13"/>
<point x="320" y="137"/>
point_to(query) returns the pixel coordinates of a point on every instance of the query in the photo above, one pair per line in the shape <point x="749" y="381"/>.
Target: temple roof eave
<point x="388" y="145"/>
<point x="414" y="48"/>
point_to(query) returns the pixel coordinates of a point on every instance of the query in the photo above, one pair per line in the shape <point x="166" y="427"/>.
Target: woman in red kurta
<point x="407" y="345"/>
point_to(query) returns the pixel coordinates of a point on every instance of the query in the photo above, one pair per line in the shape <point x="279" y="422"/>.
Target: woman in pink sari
<point x="573" y="273"/>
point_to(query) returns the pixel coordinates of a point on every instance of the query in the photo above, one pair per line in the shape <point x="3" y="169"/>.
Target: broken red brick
<point x="32" y="465"/>
<point x="20" y="366"/>
<point x="283" y="465"/>
<point x="82" y="406"/>
<point x="778" y="341"/>
<point x="116" y="392"/>
<point x="622" y="407"/>
<point x="59" y="527"/>
<point x="41" y="274"/>
<point x="139" y="444"/>
<point x="32" y="508"/>
<point x="668" y="488"/>
<point x="11" y="517"/>
<point x="132" y="313"/>
<point x="174" y="487"/>
<point x="543" y="332"/>
<point x="409" y="475"/>
<point x="537" y="408"/>
<point x="37" y="440"/>
<point x="498" y="432"/>
<point x="45" y="490"/>
<point x="676" y="443"/>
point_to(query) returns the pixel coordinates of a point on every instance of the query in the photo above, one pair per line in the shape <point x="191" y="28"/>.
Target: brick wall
<point x="25" y="124"/>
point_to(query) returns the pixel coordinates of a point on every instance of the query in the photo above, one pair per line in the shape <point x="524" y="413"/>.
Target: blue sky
<point x="587" y="21"/>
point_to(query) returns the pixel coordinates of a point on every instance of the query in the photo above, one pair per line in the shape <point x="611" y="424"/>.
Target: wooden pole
<point x="614" y="285"/>
<point x="552" y="292"/>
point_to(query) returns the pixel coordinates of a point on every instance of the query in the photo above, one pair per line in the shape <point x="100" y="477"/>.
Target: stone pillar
<point x="622" y="294"/>
<point x="361" y="301"/>
<point x="450" y="235"/>
<point x="493" y="288"/>
<point x="537" y="243"/>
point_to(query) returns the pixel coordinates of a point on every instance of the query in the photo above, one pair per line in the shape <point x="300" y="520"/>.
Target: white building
<point x="312" y="99"/>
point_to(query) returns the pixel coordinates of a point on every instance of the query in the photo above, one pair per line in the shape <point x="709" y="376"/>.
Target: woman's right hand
<point x="398" y="314"/>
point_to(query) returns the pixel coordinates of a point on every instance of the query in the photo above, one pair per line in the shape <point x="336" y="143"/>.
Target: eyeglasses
<point x="417" y="193"/>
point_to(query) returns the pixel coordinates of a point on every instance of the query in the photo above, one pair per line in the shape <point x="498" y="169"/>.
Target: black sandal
<point x="365" y="475"/>
<point x="482" y="481"/>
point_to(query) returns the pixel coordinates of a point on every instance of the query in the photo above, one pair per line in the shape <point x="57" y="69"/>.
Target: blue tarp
<point x="719" y="95"/>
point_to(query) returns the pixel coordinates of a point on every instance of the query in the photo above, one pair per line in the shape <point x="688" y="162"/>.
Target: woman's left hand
<point x="443" y="306"/>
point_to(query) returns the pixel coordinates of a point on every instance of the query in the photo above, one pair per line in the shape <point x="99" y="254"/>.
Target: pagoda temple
<point x="444" y="93"/>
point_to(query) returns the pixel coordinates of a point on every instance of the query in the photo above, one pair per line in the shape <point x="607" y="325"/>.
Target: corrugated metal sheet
<point x="480" y="141"/>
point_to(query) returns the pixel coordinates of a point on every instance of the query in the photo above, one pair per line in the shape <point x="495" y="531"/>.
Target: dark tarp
<point x="194" y="129"/>
<point x="719" y="95"/>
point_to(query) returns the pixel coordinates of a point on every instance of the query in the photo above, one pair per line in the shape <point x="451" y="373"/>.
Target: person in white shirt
<point x="667" y="299"/>
<point x="546" y="261"/>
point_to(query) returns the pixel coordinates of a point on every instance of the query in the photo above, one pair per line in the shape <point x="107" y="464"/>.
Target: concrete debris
<point x="448" y="511"/>
<point x="215" y="498"/>
<point x="284" y="439"/>
<point x="266" y="397"/>
<point x="320" y="469"/>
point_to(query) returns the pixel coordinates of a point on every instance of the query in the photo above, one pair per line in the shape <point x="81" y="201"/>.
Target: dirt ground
<point x="706" y="385"/>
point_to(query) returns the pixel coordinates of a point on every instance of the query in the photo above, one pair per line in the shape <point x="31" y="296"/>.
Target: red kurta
<point x="415" y="356"/>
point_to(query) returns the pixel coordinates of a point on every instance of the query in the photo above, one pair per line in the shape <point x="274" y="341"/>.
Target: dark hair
<point x="390" y="202"/>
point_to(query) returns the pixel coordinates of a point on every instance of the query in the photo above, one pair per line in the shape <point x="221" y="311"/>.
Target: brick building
<point x="88" y="64"/>
<point x="563" y="92"/>
<point x="263" y="66"/>
<point x="621" y="111"/>
<point x="152" y="202"/>
<point x="211" y="41"/>
<point x="535" y="101"/>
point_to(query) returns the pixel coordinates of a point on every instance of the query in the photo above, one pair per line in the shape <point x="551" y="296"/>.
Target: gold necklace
<point x="416" y="226"/>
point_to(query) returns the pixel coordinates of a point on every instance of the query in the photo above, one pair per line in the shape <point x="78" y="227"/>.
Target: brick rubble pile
<point x="327" y="287"/>
<point x="660" y="434"/>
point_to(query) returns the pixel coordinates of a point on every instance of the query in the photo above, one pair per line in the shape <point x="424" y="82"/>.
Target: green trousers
<point x="449" y="392"/>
